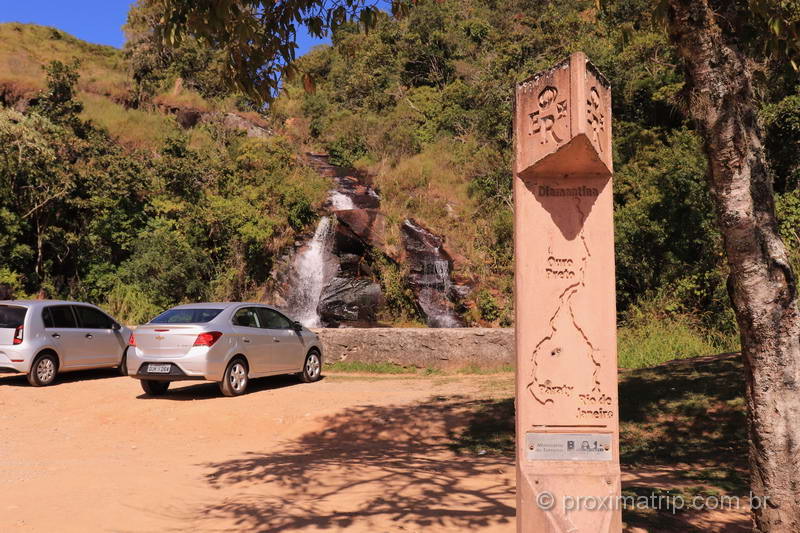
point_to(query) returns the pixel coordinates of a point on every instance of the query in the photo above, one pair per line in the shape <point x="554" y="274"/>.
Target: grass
<point x="184" y="99"/>
<point x="358" y="367"/>
<point x="658" y="341"/>
<point x="473" y="368"/>
<point x="368" y="368"/>
<point x="25" y="48"/>
<point x="133" y="128"/>
<point x="102" y="87"/>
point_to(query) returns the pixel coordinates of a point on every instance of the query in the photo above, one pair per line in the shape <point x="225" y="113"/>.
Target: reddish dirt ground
<point x="91" y="453"/>
<point x="349" y="453"/>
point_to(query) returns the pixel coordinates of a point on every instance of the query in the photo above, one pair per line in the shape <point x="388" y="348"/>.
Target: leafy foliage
<point x="423" y="102"/>
<point x="257" y="37"/>
<point x="84" y="218"/>
<point x="420" y="99"/>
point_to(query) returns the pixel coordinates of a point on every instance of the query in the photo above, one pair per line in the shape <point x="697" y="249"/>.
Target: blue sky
<point x="96" y="21"/>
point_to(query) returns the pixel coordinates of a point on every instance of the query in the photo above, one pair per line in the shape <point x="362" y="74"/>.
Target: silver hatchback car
<point x="229" y="343"/>
<point x="41" y="338"/>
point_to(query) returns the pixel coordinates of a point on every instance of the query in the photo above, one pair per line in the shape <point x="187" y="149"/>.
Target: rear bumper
<point x="13" y="360"/>
<point x="175" y="373"/>
<point x="198" y="364"/>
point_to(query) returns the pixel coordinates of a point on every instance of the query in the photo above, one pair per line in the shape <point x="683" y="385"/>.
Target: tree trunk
<point x="39" y="249"/>
<point x="761" y="284"/>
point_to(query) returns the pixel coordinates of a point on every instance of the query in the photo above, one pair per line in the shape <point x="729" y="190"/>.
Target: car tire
<point x="312" y="367"/>
<point x="234" y="381"/>
<point x="43" y="370"/>
<point x="123" y="364"/>
<point x="152" y="387"/>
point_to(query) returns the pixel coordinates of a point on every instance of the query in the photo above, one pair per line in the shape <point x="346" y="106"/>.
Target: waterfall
<point x="340" y="202"/>
<point x="433" y="297"/>
<point x="313" y="269"/>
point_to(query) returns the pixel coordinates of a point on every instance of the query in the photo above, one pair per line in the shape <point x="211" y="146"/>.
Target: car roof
<point x="219" y="305"/>
<point x="35" y="303"/>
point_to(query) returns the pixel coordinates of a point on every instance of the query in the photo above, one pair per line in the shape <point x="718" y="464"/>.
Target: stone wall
<point x="438" y="348"/>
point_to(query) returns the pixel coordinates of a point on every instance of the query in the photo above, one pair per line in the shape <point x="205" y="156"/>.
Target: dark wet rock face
<point x="430" y="269"/>
<point x="359" y="229"/>
<point x="342" y="276"/>
<point x="349" y="295"/>
<point x="351" y="300"/>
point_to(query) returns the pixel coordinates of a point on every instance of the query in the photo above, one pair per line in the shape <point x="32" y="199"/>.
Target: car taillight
<point x="18" y="335"/>
<point x="132" y="340"/>
<point x="207" y="339"/>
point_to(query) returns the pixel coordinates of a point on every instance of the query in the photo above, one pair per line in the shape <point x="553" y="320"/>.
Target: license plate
<point x="159" y="369"/>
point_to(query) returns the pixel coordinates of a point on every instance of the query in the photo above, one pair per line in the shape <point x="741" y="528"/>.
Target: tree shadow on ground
<point x="183" y="391"/>
<point x="370" y="465"/>
<point x="683" y="432"/>
<point x="689" y="413"/>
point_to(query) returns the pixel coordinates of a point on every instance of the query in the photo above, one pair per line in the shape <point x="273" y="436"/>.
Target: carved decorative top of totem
<point x="565" y="108"/>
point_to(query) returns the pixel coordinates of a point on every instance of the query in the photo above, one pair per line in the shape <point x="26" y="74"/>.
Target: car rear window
<point x="12" y="316"/>
<point x="186" y="316"/>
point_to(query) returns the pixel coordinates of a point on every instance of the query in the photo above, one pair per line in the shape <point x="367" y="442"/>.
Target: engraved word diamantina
<point x="543" y="120"/>
<point x="595" y="116"/>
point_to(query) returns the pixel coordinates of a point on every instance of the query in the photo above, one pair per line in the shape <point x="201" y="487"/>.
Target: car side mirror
<point x="116" y="327"/>
<point x="297" y="326"/>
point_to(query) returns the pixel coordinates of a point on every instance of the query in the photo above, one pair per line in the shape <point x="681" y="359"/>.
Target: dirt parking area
<point x="354" y="453"/>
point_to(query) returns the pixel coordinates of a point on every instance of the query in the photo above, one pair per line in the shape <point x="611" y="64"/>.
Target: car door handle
<point x="246" y="340"/>
<point x="56" y="336"/>
<point x="89" y="336"/>
<point x="275" y="339"/>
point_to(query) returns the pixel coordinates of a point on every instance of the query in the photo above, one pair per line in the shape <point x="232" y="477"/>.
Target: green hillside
<point x="424" y="104"/>
<point x="24" y="48"/>
<point x="116" y="202"/>
<point x="109" y="200"/>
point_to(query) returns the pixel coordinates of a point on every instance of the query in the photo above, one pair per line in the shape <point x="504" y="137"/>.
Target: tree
<point x="710" y="36"/>
<point x="59" y="102"/>
<point x="259" y="36"/>
<point x="29" y="151"/>
<point x="716" y="40"/>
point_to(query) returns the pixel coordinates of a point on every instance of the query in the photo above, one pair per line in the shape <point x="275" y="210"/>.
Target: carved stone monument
<point x="567" y="410"/>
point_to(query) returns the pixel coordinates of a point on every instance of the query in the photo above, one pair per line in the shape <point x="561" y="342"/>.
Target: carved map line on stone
<point x="564" y="300"/>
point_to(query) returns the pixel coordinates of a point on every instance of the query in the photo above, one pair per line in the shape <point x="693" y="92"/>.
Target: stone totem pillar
<point x="568" y="476"/>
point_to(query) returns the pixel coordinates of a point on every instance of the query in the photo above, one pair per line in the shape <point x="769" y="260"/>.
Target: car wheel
<point x="43" y="370"/>
<point x="312" y="368"/>
<point x="234" y="382"/>
<point x="152" y="387"/>
<point x="123" y="365"/>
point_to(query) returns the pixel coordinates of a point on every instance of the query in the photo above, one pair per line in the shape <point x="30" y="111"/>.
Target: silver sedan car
<point x="229" y="343"/>
<point x="42" y="338"/>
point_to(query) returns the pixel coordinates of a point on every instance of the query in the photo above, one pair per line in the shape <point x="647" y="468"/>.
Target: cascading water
<point x="433" y="297"/>
<point x="340" y="202"/>
<point x="313" y="268"/>
<point x="429" y="277"/>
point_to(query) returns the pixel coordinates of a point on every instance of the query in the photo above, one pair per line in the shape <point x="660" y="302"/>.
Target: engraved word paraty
<point x="543" y="123"/>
